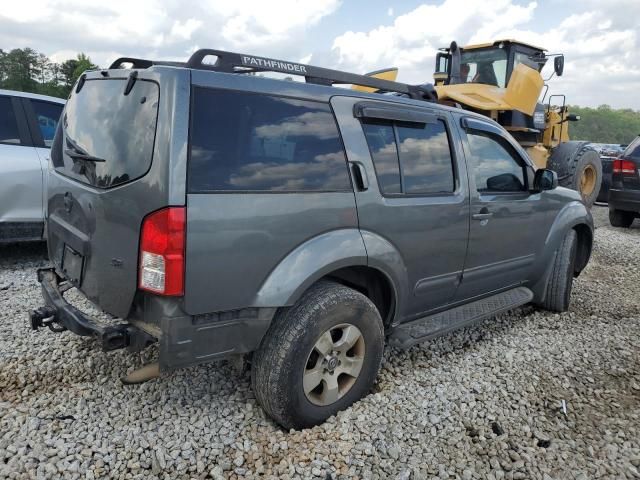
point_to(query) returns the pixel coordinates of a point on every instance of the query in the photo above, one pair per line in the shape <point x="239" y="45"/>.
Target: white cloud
<point x="600" y="42"/>
<point x="163" y="29"/>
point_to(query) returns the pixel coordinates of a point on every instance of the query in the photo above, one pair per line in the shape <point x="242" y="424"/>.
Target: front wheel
<point x="319" y="356"/>
<point x="558" y="294"/>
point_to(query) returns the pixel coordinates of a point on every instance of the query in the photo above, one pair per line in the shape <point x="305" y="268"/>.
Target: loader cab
<point x="489" y="63"/>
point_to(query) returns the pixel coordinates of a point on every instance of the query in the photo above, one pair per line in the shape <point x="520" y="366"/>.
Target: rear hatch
<point x="626" y="169"/>
<point x="109" y="170"/>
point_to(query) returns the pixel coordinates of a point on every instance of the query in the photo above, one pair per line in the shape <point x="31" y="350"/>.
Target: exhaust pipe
<point x="142" y="374"/>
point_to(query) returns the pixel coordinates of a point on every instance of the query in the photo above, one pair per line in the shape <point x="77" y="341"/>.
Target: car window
<point x="495" y="167"/>
<point x="633" y="150"/>
<point x="410" y="158"/>
<point x="8" y="125"/>
<point x="252" y="142"/>
<point x="47" y="116"/>
<point x="118" y="130"/>
<point x="425" y="158"/>
<point x="384" y="152"/>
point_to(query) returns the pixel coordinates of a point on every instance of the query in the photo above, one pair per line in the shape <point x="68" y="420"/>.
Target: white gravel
<point x="484" y="402"/>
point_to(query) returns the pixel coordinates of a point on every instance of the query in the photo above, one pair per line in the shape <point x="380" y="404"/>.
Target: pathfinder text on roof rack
<point x="267" y="63"/>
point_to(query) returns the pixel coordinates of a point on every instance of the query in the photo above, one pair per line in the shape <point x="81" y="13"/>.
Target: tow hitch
<point x="45" y="317"/>
<point x="59" y="315"/>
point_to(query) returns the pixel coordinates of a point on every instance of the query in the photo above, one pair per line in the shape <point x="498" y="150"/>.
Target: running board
<point x="426" y="328"/>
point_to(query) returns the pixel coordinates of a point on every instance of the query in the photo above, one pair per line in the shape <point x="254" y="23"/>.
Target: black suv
<point x="624" y="194"/>
<point x="300" y="225"/>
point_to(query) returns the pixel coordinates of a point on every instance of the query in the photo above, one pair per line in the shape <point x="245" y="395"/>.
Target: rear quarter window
<point x="633" y="150"/>
<point x="252" y="142"/>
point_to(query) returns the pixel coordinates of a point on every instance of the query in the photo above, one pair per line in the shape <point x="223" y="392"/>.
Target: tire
<point x="575" y="163"/>
<point x="289" y="351"/>
<point x="621" y="218"/>
<point x="558" y="294"/>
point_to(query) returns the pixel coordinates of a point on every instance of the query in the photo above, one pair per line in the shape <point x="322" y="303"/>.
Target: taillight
<point x="624" y="166"/>
<point x="162" y="242"/>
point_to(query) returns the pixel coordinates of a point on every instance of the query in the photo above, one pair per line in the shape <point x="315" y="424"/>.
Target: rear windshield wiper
<point x="82" y="156"/>
<point x="75" y="151"/>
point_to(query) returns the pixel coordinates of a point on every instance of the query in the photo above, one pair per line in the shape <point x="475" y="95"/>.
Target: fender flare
<point x="572" y="214"/>
<point x="307" y="263"/>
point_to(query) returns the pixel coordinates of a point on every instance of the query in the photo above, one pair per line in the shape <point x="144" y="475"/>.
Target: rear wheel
<point x="578" y="167"/>
<point x="621" y="218"/>
<point x="558" y="295"/>
<point x="319" y="356"/>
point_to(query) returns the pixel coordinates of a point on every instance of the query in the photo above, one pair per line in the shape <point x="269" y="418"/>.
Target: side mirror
<point x="544" y="179"/>
<point x="558" y="65"/>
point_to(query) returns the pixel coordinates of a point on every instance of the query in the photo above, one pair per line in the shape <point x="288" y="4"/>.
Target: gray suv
<point x="297" y="225"/>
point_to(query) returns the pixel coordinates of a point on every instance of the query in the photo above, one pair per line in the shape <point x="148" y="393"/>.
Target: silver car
<point x="28" y="123"/>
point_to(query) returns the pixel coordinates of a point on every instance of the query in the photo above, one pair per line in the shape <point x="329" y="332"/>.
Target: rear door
<point x="20" y="175"/>
<point x="416" y="194"/>
<point x="111" y="161"/>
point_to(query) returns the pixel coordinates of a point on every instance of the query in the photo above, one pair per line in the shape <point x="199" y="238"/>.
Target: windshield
<point x="107" y="137"/>
<point x="488" y="66"/>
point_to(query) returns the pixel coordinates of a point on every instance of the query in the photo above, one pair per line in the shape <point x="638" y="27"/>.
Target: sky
<point x="600" y="39"/>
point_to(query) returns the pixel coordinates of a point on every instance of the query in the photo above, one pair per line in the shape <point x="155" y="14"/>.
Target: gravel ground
<point x="484" y="402"/>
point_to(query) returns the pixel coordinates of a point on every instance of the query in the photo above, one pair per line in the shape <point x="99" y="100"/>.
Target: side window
<point x="47" y="116"/>
<point x="252" y="142"/>
<point x="496" y="168"/>
<point x="8" y="124"/>
<point x="425" y="157"/>
<point x="384" y="152"/>
<point x="410" y="158"/>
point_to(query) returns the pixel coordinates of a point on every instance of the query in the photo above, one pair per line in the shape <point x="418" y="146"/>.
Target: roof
<point x="497" y="42"/>
<point x="35" y="96"/>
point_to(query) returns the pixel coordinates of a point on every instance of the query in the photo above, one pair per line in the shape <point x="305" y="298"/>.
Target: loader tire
<point x="579" y="168"/>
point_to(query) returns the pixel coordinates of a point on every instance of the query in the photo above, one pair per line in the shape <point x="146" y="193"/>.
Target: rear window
<point x="107" y="137"/>
<point x="47" y="116"/>
<point x="633" y="150"/>
<point x="410" y="158"/>
<point x="251" y="142"/>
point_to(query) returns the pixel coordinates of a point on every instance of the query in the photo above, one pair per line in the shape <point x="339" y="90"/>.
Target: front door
<point x="415" y="198"/>
<point x="502" y="234"/>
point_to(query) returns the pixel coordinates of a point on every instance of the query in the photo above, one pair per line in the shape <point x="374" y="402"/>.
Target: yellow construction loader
<point x="503" y="81"/>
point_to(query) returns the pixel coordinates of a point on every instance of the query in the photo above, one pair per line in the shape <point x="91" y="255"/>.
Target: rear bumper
<point x="627" y="200"/>
<point x="58" y="315"/>
<point x="184" y="339"/>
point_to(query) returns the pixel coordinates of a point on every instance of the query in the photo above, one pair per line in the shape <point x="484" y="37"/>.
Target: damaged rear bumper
<point x="57" y="314"/>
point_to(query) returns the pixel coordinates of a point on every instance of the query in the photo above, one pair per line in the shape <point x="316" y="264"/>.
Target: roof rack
<point x="229" y="62"/>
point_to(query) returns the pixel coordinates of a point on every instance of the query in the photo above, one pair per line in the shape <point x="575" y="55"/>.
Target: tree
<point x="605" y="124"/>
<point x="27" y="70"/>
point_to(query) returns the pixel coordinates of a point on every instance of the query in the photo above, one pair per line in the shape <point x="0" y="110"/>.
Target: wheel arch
<point x="573" y="215"/>
<point x="585" y="245"/>
<point x="374" y="284"/>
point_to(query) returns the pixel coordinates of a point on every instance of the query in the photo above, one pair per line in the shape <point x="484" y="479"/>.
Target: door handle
<point x="360" y="176"/>
<point x="484" y="214"/>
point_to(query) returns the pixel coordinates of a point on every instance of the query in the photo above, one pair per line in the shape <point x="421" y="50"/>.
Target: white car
<point x="28" y="123"/>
